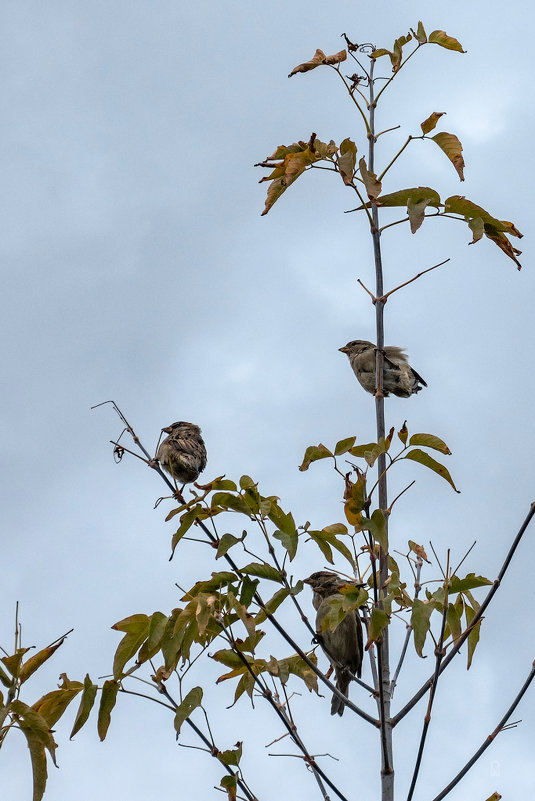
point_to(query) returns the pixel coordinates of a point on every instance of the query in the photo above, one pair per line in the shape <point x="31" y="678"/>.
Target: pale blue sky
<point x="137" y="267"/>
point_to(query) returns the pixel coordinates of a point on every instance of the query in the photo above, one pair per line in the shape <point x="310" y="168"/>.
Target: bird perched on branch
<point x="398" y="376"/>
<point x="182" y="453"/>
<point x="344" y="645"/>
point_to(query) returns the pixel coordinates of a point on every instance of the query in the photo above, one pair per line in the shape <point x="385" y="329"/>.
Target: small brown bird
<point x="343" y="646"/>
<point x="398" y="376"/>
<point x="182" y="453"/>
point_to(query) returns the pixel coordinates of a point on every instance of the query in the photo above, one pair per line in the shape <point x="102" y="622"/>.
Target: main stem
<point x="387" y="771"/>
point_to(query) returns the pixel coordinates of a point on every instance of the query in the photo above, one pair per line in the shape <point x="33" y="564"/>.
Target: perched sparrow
<point x="398" y="376"/>
<point x="343" y="646"/>
<point x="182" y="453"/>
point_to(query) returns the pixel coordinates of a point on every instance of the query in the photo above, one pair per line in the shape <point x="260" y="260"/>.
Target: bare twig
<point x="475" y="620"/>
<point x="417" y="588"/>
<point x="439" y="653"/>
<point x="406" y="283"/>
<point x="213" y="751"/>
<point x="490" y="739"/>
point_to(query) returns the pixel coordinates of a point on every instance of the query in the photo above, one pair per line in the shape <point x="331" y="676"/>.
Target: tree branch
<point x="491" y="737"/>
<point x="477" y="617"/>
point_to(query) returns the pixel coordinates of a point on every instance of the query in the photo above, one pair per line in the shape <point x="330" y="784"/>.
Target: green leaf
<point x="430" y="441"/>
<point x="38" y="737"/>
<point x="262" y="570"/>
<point x="344" y="445"/>
<point x="373" y="186"/>
<point x="236" y="503"/>
<point x="330" y="537"/>
<point x="272" y="605"/>
<point x="473" y="637"/>
<point x="430" y="123"/>
<point x="232" y="756"/>
<point x="378" y="621"/>
<point x="377" y="528"/>
<point x="224" y="484"/>
<point x="453" y="619"/>
<point x="134" y="624"/>
<point x="441" y="38"/>
<point x="423" y="458"/>
<point x="288" y="541"/>
<point x="451" y="146"/>
<point x="86" y="705"/>
<point x="192" y="700"/>
<point x="458" y="204"/>
<point x="248" y="589"/>
<point x="186" y="521"/>
<point x="128" y="647"/>
<point x="470" y="582"/>
<point x="421" y="612"/>
<point x="220" y="579"/>
<point x="38" y="760"/>
<point x="246" y="482"/>
<point x="336" y="528"/>
<point x="320" y="538"/>
<point x="312" y="454"/>
<point x="229" y="783"/>
<point x="225" y="544"/>
<point x="246" y="618"/>
<point x="420" y="34"/>
<point x="346" y="161"/>
<point x="477" y="226"/>
<point x="108" y="699"/>
<point x="371" y="451"/>
<point x="402" y="197"/>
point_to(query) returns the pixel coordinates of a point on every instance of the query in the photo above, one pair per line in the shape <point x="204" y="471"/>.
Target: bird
<point x="399" y="378"/>
<point x="343" y="646"/>
<point x="182" y="453"/>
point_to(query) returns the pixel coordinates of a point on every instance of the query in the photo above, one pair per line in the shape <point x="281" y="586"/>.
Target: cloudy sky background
<point x="137" y="267"/>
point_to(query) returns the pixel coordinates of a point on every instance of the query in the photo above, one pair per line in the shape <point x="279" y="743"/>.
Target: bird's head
<point x="182" y="427"/>
<point x="356" y="346"/>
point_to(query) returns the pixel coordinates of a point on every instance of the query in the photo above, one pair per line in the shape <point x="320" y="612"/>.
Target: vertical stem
<point x="387" y="772"/>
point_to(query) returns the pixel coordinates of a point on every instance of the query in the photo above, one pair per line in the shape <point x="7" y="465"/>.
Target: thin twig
<point x="439" y="652"/>
<point x="417" y="588"/>
<point x="490" y="739"/>
<point x="213" y="751"/>
<point x="406" y="283"/>
<point x="398" y="154"/>
<point x="475" y="620"/>
<point x="292" y="730"/>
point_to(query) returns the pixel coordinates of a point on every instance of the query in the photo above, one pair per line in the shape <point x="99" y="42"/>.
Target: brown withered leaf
<point x="318" y="58"/>
<point x="419" y="551"/>
<point x="373" y="186"/>
<point x="431" y="122"/>
<point x="451" y="146"/>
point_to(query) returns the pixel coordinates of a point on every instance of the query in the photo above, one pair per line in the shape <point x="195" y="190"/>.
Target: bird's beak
<point x="344" y="349"/>
<point x="167" y="430"/>
<point x="307" y="581"/>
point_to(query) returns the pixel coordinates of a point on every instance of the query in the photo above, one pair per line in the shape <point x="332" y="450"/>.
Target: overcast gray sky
<point x="137" y="267"/>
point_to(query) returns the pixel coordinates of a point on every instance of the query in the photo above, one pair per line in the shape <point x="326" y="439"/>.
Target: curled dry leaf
<point x="318" y="58"/>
